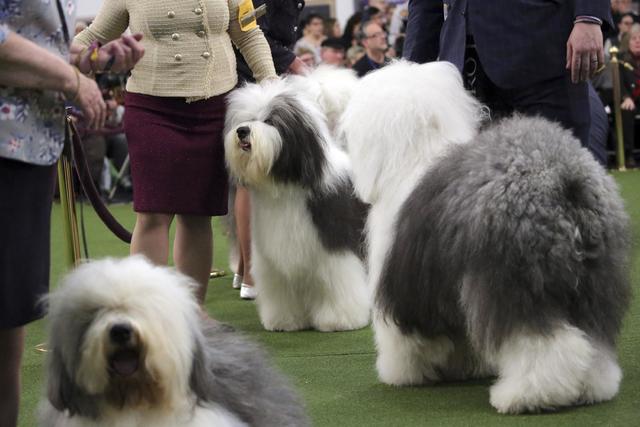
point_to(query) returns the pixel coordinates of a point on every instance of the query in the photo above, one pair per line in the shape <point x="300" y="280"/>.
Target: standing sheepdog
<point x="306" y="223"/>
<point x="129" y="347"/>
<point x="500" y="253"/>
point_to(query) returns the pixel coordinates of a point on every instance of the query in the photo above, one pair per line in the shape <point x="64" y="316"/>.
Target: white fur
<point x="394" y="136"/>
<point x="301" y="284"/>
<point x="377" y="116"/>
<point x="134" y="291"/>
<point x="538" y="372"/>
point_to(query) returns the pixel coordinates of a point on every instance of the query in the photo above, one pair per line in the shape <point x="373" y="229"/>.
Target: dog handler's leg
<point x="151" y="236"/>
<point x="193" y="250"/>
<point x="12" y="344"/>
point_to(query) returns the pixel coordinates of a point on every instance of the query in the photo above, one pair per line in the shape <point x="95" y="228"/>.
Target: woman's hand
<point x="84" y="92"/>
<point x="628" y="104"/>
<point x="119" y="55"/>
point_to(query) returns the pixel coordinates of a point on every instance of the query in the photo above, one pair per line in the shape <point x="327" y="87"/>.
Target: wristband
<point x="587" y="19"/>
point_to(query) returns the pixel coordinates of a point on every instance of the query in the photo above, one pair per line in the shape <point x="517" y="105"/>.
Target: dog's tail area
<point x="518" y="230"/>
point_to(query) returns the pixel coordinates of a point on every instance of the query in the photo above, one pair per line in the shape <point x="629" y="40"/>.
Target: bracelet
<point x="587" y="19"/>
<point x="77" y="91"/>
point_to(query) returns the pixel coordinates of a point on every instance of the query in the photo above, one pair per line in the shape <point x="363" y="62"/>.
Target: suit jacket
<point x="279" y="26"/>
<point x="519" y="42"/>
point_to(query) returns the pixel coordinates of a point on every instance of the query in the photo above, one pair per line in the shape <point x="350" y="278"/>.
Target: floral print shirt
<point x="32" y="120"/>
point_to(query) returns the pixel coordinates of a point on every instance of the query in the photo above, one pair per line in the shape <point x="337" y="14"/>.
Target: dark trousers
<point x="557" y="99"/>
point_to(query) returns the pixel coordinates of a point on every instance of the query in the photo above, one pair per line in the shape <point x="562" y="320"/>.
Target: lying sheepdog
<point x="500" y="253"/>
<point x="128" y="346"/>
<point x="306" y="223"/>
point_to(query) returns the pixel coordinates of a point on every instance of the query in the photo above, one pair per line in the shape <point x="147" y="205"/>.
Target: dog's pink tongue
<point x="125" y="363"/>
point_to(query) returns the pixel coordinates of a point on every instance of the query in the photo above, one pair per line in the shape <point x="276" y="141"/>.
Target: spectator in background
<point x="351" y="31"/>
<point x="279" y="26"/>
<point x="374" y="41"/>
<point x="332" y="52"/>
<point x="626" y="20"/>
<point x="354" y="54"/>
<point x="373" y="14"/>
<point x="312" y="35"/>
<point x="332" y="28"/>
<point x="307" y="56"/>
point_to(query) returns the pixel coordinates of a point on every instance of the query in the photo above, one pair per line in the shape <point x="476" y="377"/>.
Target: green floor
<point x="335" y="371"/>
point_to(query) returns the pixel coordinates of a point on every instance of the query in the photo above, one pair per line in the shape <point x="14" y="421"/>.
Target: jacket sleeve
<point x="422" y="36"/>
<point x="111" y="21"/>
<point x="598" y="8"/>
<point x="252" y="45"/>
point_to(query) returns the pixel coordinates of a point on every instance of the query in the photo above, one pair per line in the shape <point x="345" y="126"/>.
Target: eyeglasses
<point x="378" y="34"/>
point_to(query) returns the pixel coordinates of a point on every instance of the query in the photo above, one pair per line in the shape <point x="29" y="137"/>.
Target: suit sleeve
<point x="598" y="8"/>
<point x="422" y="36"/>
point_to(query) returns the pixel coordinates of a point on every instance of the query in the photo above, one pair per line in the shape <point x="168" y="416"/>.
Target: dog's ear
<point x="200" y="379"/>
<point x="63" y="393"/>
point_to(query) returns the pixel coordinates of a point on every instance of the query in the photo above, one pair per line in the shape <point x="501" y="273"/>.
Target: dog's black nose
<point x="120" y="333"/>
<point x="243" y="131"/>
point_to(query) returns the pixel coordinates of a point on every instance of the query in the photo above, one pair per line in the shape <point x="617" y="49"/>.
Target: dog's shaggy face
<point x="121" y="335"/>
<point x="275" y="135"/>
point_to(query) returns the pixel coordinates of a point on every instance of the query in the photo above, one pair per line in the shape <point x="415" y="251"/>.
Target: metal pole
<point x="617" y="102"/>
<point x="68" y="203"/>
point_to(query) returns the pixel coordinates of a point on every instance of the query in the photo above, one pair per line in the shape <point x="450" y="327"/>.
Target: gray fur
<point x="515" y="231"/>
<point x="234" y="372"/>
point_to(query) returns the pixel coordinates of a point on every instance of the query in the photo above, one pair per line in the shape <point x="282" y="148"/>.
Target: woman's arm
<point x="252" y="45"/>
<point x="24" y="64"/>
<point x="111" y="21"/>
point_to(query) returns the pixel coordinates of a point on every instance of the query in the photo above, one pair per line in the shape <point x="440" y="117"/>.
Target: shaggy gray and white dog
<point x="307" y="226"/>
<point x="128" y="346"/>
<point x="500" y="253"/>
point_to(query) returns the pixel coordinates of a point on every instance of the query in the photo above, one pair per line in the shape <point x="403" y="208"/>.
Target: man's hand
<point x="585" y="53"/>
<point x="628" y="104"/>
<point x="118" y="55"/>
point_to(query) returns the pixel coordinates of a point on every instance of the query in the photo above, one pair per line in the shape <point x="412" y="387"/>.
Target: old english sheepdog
<point x="307" y="226"/>
<point x="129" y="346"/>
<point x="502" y="252"/>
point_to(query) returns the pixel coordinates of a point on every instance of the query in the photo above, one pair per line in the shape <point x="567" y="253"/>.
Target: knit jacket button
<point x="171" y="14"/>
<point x="175" y="36"/>
<point x="201" y="33"/>
<point x="197" y="11"/>
<point x="206" y="55"/>
<point x="178" y="57"/>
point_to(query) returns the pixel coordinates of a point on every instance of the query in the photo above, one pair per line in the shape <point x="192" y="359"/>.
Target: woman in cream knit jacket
<point x="174" y="117"/>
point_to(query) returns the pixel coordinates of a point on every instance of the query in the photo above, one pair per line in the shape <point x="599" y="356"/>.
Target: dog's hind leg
<point x="603" y="377"/>
<point x="342" y="299"/>
<point x="547" y="371"/>
<point x="408" y="359"/>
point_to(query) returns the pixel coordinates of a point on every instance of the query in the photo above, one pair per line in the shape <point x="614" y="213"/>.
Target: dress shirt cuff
<point x="587" y="19"/>
<point x="4" y="32"/>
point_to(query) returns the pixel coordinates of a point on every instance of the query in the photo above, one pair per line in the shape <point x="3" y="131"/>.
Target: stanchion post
<point x="68" y="204"/>
<point x="617" y="103"/>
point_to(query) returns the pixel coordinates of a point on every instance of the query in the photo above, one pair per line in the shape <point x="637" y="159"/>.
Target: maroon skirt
<point x="176" y="151"/>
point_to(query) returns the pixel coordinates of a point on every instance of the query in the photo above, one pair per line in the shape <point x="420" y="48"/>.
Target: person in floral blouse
<point x="36" y="77"/>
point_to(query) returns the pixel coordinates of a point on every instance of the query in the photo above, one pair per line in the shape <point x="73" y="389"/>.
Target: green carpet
<point x="335" y="371"/>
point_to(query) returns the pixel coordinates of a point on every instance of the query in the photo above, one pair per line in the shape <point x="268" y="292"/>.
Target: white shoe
<point x="248" y="292"/>
<point x="237" y="281"/>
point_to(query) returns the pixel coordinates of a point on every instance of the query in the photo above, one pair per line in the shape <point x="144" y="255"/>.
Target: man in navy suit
<point x="531" y="56"/>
